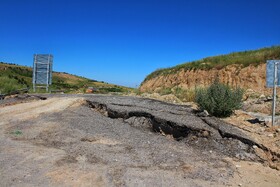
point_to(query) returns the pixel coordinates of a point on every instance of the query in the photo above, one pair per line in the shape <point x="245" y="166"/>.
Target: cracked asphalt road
<point x="95" y="140"/>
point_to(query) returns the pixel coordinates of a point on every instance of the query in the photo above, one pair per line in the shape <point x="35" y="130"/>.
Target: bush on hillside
<point x="219" y="99"/>
<point x="8" y="85"/>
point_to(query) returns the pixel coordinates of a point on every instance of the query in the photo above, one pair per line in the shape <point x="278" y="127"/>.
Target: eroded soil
<point x="125" y="141"/>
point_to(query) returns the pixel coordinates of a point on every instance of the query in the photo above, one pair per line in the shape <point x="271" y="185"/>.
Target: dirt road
<point x="123" y="141"/>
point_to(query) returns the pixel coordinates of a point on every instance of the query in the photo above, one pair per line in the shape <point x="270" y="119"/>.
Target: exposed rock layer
<point x="251" y="77"/>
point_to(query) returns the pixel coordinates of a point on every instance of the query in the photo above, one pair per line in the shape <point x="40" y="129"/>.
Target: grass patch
<point x="8" y="85"/>
<point x="164" y="91"/>
<point x="17" y="132"/>
<point x="184" y="95"/>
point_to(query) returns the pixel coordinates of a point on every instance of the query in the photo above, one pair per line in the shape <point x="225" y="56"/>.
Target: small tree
<point x="219" y="99"/>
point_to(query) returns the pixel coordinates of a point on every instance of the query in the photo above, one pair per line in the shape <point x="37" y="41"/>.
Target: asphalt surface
<point x="119" y="141"/>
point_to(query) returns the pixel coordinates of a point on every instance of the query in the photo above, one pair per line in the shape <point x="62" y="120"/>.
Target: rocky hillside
<point x="13" y="77"/>
<point x="244" y="69"/>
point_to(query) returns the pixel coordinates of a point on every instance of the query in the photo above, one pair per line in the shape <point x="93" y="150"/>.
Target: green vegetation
<point x="245" y="58"/>
<point x="112" y="89"/>
<point x="184" y="95"/>
<point x="165" y="91"/>
<point x="13" y="77"/>
<point x="8" y="85"/>
<point x="17" y="132"/>
<point x="219" y="99"/>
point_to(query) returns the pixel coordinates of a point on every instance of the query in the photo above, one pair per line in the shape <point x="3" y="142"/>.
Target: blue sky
<point x="122" y="41"/>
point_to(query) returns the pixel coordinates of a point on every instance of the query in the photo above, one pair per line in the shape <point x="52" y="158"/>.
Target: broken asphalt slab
<point x="179" y="121"/>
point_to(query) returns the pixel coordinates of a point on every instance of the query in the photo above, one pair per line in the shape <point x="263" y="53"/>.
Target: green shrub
<point x="8" y="85"/>
<point x="219" y="99"/>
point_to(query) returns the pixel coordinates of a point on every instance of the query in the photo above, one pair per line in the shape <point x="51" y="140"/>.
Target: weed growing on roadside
<point x="17" y="132"/>
<point x="219" y="99"/>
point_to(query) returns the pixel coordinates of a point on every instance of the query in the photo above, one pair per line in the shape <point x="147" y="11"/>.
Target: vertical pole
<point x="48" y="71"/>
<point x="274" y="92"/>
<point x="34" y="73"/>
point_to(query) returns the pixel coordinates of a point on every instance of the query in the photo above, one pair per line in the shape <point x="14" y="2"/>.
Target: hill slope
<point x="14" y="77"/>
<point x="245" y="69"/>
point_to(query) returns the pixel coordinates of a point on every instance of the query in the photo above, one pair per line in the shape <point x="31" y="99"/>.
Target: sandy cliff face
<point x="251" y="77"/>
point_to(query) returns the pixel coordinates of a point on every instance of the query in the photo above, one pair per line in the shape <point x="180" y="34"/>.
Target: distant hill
<point x="245" y="69"/>
<point x="13" y="77"/>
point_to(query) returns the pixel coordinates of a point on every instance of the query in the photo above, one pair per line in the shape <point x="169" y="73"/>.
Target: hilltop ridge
<point x="13" y="76"/>
<point x="245" y="69"/>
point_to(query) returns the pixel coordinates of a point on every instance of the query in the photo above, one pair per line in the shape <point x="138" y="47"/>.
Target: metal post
<point x="34" y="73"/>
<point x="48" y="71"/>
<point x="275" y="81"/>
